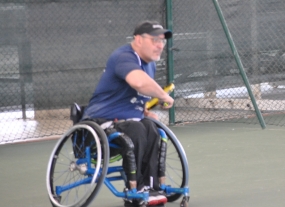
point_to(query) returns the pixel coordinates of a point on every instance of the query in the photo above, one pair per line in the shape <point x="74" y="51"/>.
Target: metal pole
<point x="23" y="95"/>
<point x="239" y="63"/>
<point x="169" y="24"/>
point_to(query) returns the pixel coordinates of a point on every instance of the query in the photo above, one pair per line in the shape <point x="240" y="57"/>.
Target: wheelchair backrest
<point x="76" y="112"/>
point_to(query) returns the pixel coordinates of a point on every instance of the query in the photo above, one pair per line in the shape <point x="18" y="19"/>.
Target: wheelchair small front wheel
<point x="78" y="165"/>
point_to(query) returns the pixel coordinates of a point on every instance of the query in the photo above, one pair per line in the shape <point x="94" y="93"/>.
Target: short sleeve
<point x="125" y="63"/>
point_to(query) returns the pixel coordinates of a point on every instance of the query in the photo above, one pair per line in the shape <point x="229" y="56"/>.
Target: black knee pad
<point x="128" y="154"/>
<point x="127" y="151"/>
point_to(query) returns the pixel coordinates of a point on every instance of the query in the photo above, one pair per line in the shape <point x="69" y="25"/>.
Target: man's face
<point x="152" y="47"/>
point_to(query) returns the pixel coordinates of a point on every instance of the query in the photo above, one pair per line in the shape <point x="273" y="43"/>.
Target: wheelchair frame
<point x="90" y="179"/>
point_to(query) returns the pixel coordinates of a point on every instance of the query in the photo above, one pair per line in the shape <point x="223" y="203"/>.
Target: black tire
<point x="177" y="170"/>
<point x="63" y="169"/>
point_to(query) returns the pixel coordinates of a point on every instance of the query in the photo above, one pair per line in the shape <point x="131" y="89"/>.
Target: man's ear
<point x="138" y="40"/>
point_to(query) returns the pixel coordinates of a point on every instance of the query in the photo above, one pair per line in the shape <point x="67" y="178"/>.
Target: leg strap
<point x="162" y="153"/>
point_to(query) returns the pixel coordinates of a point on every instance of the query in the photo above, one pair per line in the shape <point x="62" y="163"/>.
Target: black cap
<point x="152" y="28"/>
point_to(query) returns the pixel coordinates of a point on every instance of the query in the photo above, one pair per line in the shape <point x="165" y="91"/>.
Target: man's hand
<point x="167" y="102"/>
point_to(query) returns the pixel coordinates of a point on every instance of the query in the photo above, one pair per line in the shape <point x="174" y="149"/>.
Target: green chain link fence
<point x="52" y="54"/>
<point x="209" y="83"/>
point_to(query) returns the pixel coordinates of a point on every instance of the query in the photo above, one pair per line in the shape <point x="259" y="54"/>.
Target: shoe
<point x="156" y="198"/>
<point x="128" y="203"/>
<point x="159" y="205"/>
<point x="133" y="202"/>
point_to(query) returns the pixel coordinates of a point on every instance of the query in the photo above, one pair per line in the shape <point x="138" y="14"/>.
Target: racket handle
<point x="154" y="101"/>
<point x="165" y="104"/>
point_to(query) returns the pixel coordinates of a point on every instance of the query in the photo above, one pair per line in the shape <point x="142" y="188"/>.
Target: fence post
<point x="239" y="63"/>
<point x="169" y="25"/>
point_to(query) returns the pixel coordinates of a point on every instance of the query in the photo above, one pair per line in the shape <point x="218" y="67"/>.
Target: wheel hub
<point x="82" y="168"/>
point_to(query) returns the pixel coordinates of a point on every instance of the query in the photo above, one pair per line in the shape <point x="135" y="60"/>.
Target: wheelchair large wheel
<point x="78" y="165"/>
<point x="177" y="171"/>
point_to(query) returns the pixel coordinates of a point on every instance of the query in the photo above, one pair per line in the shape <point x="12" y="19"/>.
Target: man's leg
<point x="150" y="159"/>
<point x="138" y="134"/>
<point x="151" y="164"/>
<point x="146" y="141"/>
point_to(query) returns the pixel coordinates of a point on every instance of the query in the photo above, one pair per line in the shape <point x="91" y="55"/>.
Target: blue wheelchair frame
<point x="89" y="171"/>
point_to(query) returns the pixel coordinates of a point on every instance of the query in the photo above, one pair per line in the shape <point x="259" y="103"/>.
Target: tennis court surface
<point x="231" y="165"/>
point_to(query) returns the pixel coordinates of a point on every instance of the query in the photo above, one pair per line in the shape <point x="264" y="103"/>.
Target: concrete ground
<point x="231" y="165"/>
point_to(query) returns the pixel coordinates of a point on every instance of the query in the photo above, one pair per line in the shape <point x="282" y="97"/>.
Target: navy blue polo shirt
<point x="113" y="98"/>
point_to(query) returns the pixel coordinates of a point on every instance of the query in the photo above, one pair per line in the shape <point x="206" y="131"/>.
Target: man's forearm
<point x="145" y="85"/>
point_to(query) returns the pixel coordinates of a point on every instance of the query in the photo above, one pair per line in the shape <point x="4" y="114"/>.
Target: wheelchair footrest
<point x="184" y="191"/>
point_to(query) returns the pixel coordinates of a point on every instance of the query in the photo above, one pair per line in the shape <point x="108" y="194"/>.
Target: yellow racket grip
<point x="169" y="88"/>
<point x="151" y="103"/>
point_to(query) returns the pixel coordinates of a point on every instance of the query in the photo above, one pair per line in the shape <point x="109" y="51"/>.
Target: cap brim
<point x="167" y="33"/>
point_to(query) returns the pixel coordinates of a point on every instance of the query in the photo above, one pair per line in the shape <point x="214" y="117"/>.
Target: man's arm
<point x="141" y="82"/>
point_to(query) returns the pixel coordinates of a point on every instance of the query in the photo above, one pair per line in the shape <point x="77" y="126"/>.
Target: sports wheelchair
<point x="79" y="165"/>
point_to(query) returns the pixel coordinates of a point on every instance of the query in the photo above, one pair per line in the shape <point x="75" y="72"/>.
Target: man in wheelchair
<point x="121" y="94"/>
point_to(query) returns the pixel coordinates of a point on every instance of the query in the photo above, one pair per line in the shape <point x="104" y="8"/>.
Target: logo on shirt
<point x="139" y="108"/>
<point x="133" y="100"/>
